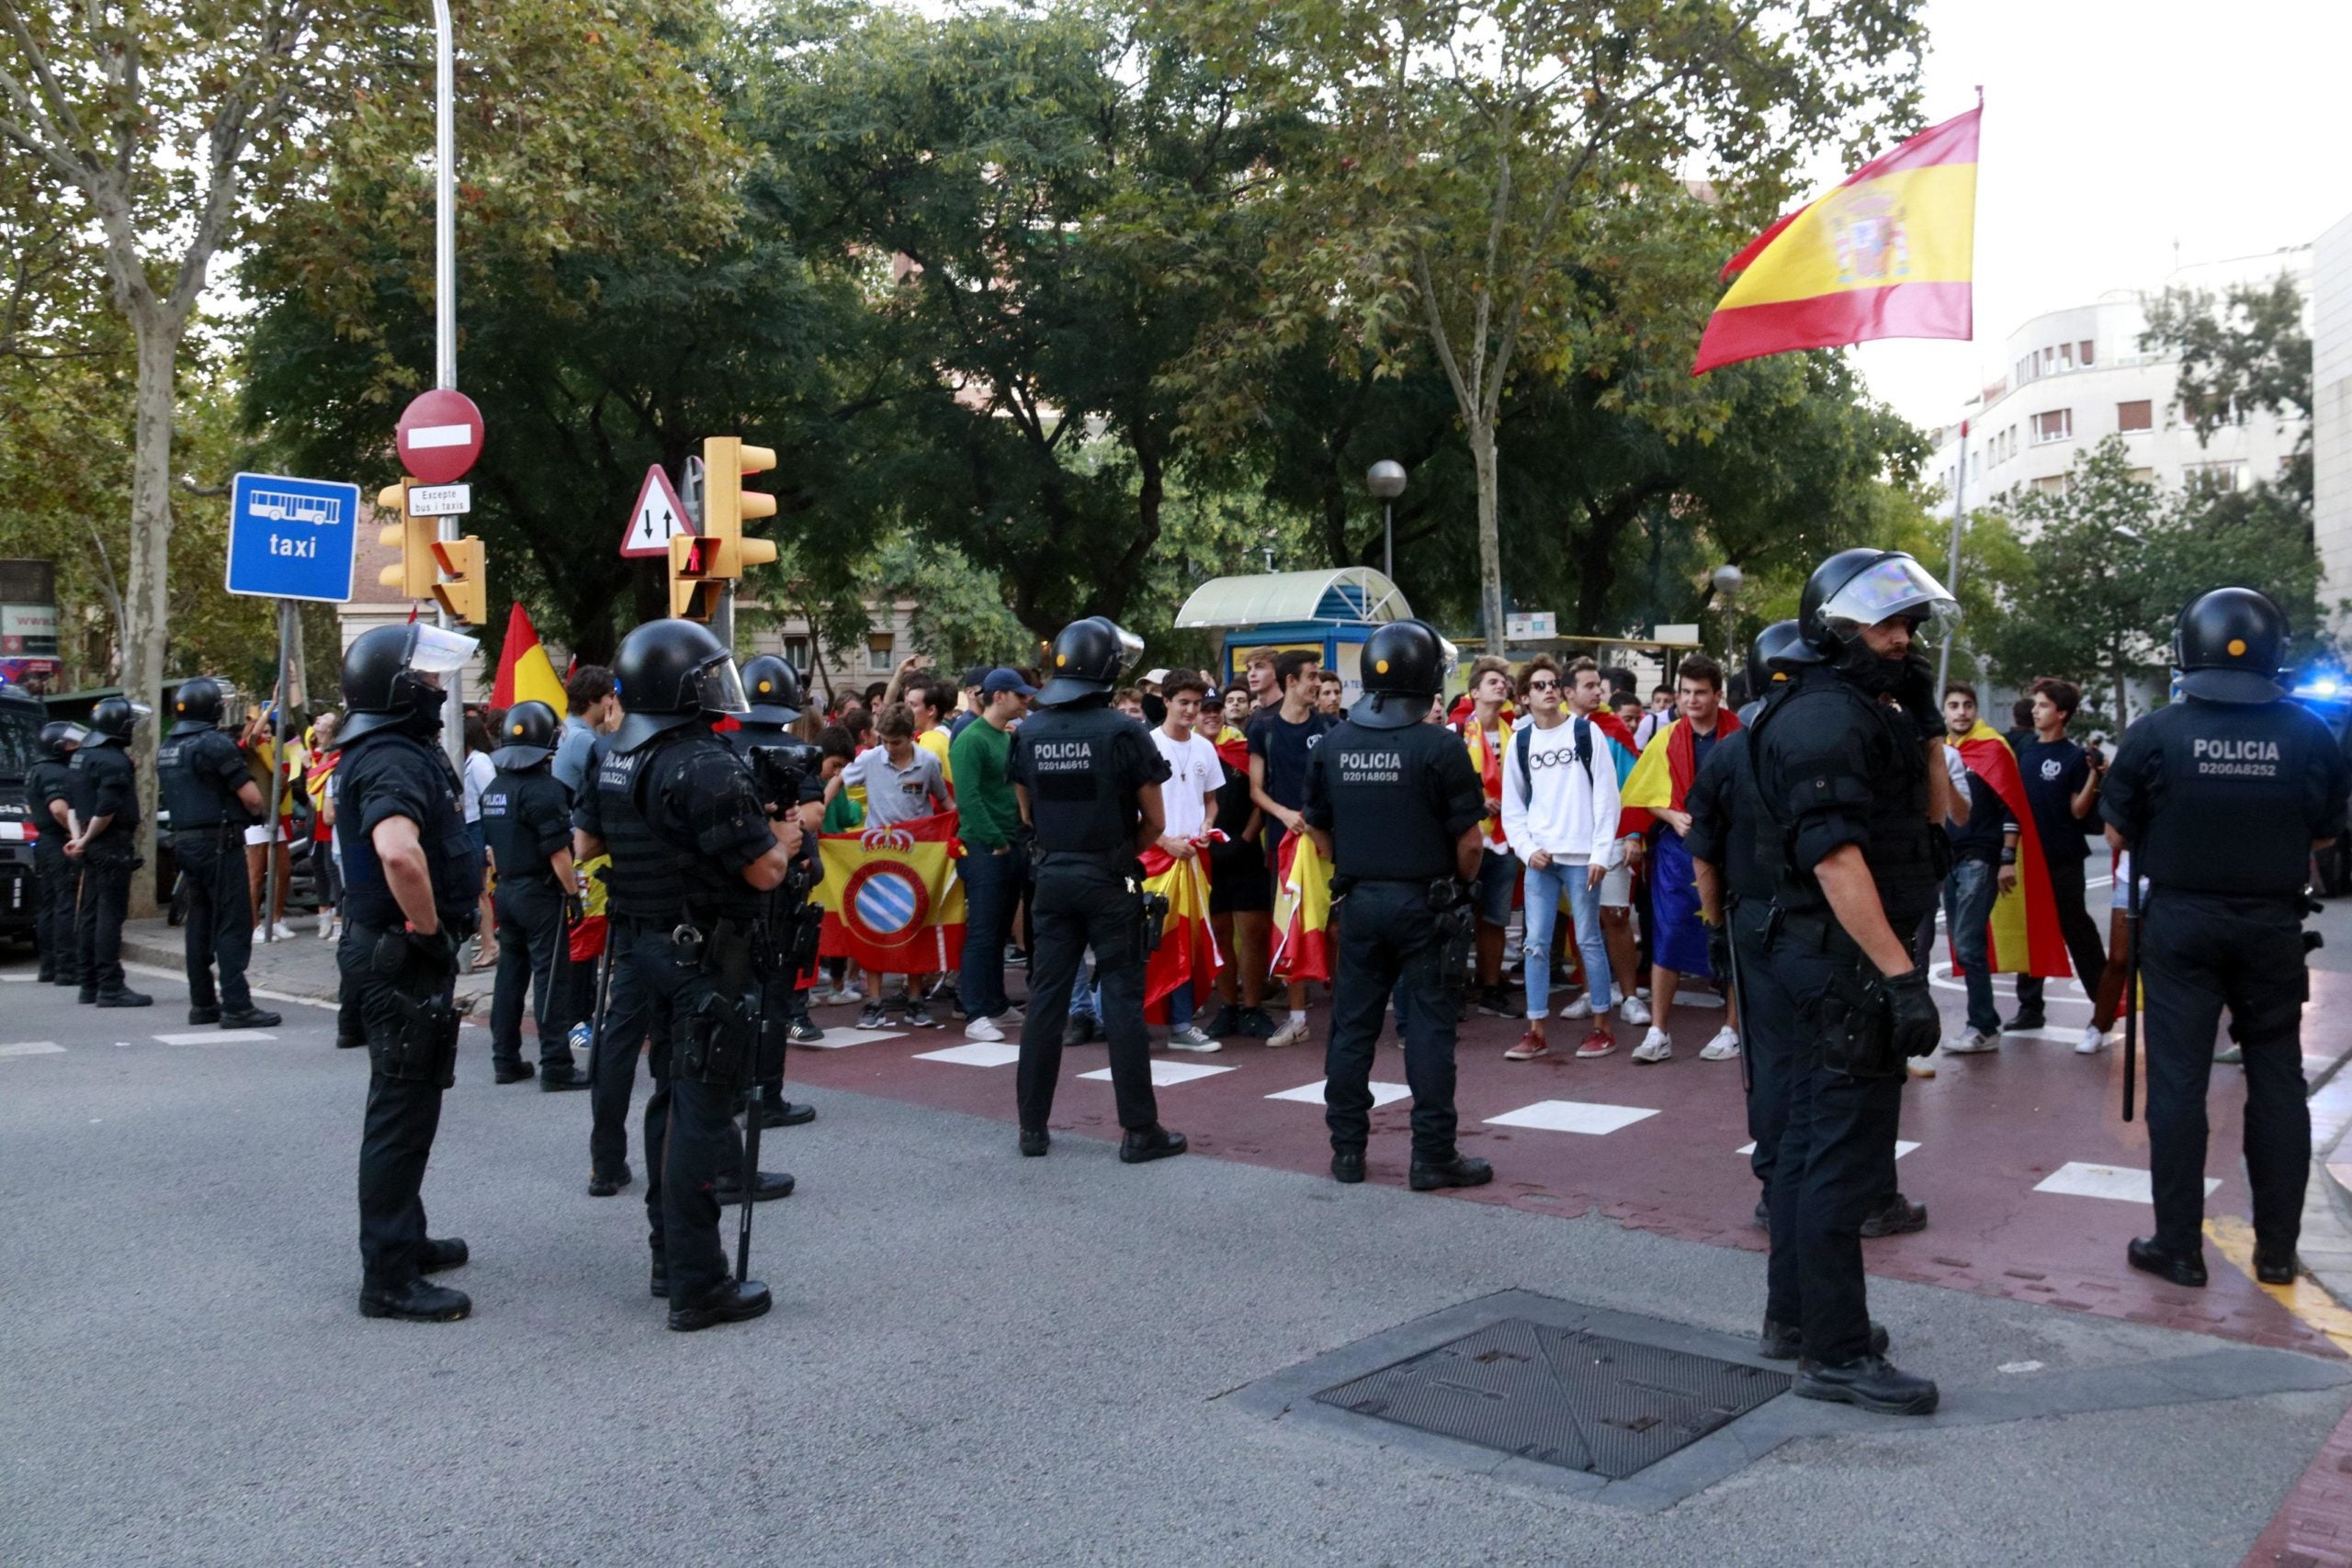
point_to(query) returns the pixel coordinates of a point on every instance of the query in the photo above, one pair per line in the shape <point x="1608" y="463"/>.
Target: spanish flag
<point x="891" y="899"/>
<point x="2022" y="935"/>
<point x="1187" y="953"/>
<point x="1888" y="254"/>
<point x="1303" y="912"/>
<point x="1662" y="778"/>
<point x="525" y="673"/>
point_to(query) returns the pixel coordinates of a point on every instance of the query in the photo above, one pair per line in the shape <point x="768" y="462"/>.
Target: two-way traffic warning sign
<point x="658" y="517"/>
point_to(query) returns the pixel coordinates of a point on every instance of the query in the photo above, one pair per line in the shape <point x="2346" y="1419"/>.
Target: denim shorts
<point x="1498" y="880"/>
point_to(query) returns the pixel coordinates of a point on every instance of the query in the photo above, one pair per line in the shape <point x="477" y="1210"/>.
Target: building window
<point x="2212" y="477"/>
<point x="2058" y="425"/>
<point x="796" y="653"/>
<point x="2144" y="477"/>
<point x="2139" y="415"/>
<point x="878" y="648"/>
<point x="2066" y="357"/>
<point x="2083" y="354"/>
<point x="2052" y="484"/>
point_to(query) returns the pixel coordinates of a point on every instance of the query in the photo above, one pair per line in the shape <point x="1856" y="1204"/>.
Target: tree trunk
<point x="147" y="596"/>
<point x="1490" y="562"/>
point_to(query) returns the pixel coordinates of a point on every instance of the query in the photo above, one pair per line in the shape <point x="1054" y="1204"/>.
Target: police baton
<point x="757" y="991"/>
<point x="2130" y="988"/>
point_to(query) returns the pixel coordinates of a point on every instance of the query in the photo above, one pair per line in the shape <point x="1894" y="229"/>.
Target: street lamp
<point x="1385" y="479"/>
<point x="1728" y="579"/>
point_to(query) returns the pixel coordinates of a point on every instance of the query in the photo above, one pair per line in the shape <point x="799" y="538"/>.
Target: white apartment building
<point x="2332" y="411"/>
<point x="2070" y="377"/>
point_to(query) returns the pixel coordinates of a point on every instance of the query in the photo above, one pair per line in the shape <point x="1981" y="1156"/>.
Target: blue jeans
<point x="1969" y="893"/>
<point x="992" y="888"/>
<point x="1544" y="885"/>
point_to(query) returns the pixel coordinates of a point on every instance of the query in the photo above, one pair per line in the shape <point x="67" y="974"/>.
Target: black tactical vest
<point x="193" y="802"/>
<point x="1387" y="808"/>
<point x="2229" y="811"/>
<point x="513" y="844"/>
<point x="449" y="851"/>
<point x="647" y="881"/>
<point x="1081" y="810"/>
<point x="1902" y="853"/>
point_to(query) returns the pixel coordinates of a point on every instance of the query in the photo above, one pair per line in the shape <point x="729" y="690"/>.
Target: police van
<point x="22" y="716"/>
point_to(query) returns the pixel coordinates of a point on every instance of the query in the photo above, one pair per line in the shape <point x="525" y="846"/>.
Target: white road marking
<point x="1572" y="1116"/>
<point x="1312" y="1093"/>
<point x="1901" y="1146"/>
<point x="33" y="1048"/>
<point x="979" y="1054"/>
<point x="841" y="1036"/>
<point x="214" y="1037"/>
<point x="2078" y="1179"/>
<point x="1164" y="1074"/>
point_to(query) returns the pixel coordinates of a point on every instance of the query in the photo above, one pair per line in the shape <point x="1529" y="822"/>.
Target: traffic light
<point x="414" y="537"/>
<point x="465" y="594"/>
<point x="727" y="506"/>
<point x="693" y="585"/>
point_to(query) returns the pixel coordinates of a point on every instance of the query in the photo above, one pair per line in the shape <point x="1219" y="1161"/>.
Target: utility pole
<point x="445" y="313"/>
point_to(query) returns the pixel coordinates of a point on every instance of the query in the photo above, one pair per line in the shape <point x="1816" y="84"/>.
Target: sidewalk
<point x="300" y="969"/>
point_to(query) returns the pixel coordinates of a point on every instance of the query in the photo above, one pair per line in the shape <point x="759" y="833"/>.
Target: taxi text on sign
<point x="291" y="538"/>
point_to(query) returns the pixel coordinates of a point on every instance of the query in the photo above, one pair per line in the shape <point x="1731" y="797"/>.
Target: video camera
<point x="781" y="771"/>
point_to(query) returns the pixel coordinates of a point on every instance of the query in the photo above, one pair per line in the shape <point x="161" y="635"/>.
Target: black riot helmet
<point x="1768" y="653"/>
<point x="392" y="677"/>
<point x="2229" y="646"/>
<point x="197" y="701"/>
<point x="527" y="735"/>
<point x="60" y="737"/>
<point x="667" y="674"/>
<point x="113" y="719"/>
<point x="773" y="688"/>
<point x="1859" y="588"/>
<point x="1086" y="661"/>
<point x="1404" y="664"/>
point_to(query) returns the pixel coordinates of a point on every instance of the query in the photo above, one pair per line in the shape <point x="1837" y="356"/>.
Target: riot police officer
<point x="692" y="846"/>
<point x="526" y="822"/>
<point x="1841" y="763"/>
<point x="1087" y="778"/>
<point x="1395" y="804"/>
<point x="773" y="688"/>
<point x="56" y="879"/>
<point x="211" y="797"/>
<point x="103" y="795"/>
<point x="412" y="887"/>
<point x="2222" y="921"/>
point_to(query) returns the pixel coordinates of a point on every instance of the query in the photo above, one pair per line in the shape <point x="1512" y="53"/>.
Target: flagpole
<point x="1951" y="562"/>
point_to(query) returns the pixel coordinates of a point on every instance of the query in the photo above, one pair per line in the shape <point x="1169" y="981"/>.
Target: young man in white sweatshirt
<point x="1560" y="814"/>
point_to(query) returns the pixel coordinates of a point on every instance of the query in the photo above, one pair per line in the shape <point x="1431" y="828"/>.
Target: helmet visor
<point x="718" y="688"/>
<point x="75" y="735"/>
<point x="1897" y="586"/>
<point x="1130" y="645"/>
<point x="1448" y="658"/>
<point x="438" y="651"/>
<point x="139" y="714"/>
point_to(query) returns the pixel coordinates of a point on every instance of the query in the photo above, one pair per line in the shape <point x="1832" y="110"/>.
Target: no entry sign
<point x="439" y="437"/>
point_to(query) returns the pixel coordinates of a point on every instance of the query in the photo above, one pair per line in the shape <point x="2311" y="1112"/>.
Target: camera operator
<point x="786" y="770"/>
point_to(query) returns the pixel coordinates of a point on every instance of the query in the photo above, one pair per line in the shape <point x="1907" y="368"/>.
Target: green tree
<point x="2243" y="353"/>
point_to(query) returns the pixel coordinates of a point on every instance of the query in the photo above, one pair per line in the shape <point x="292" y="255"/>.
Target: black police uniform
<point x="1395" y="803"/>
<point x="400" y="985"/>
<point x="200" y="773"/>
<point x="103" y="785"/>
<point x="57" y="876"/>
<point x="1833" y="767"/>
<point x="780" y="999"/>
<point x="1083" y="765"/>
<point x="526" y="818"/>
<point x="682" y="821"/>
<point x="2221" y="926"/>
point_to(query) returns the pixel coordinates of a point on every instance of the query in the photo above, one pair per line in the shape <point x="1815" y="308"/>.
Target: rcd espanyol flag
<point x="891" y="900"/>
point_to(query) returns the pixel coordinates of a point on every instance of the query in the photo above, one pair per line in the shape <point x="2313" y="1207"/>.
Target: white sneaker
<point x="1290" y="1034"/>
<point x="2093" y="1042"/>
<point x="1973" y="1043"/>
<point x="1724" y="1047"/>
<point x="1013" y="1015"/>
<point x="984" y="1029"/>
<point x="1580" y="1008"/>
<point x="260" y="933"/>
<point x="1190" y="1038"/>
<point x="282" y="931"/>
<point x="326" y="925"/>
<point x="1654" y="1047"/>
<point x="1635" y="1010"/>
<point x="1700" y="998"/>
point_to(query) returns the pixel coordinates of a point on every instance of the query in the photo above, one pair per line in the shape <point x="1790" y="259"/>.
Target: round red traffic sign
<point x="439" y="437"/>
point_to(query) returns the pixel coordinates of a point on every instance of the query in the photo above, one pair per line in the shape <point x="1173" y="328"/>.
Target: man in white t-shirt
<point x="1195" y="775"/>
<point x="1560" y="809"/>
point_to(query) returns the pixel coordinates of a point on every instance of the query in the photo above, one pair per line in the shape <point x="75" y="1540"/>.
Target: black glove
<point x="1719" y="950"/>
<point x="1918" y="1027"/>
<point x="1917" y="695"/>
<point x="575" y="909"/>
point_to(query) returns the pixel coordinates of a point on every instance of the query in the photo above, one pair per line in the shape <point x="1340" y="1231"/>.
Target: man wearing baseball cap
<point x="994" y="866"/>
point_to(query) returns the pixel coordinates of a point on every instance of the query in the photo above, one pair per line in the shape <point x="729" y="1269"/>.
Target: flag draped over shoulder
<point x="891" y="900"/>
<point x="1302" y="912"/>
<point x="524" y="675"/>
<point x="1662" y="778"/>
<point x="2022" y="934"/>
<point x="1187" y="953"/>
<point x="1627" y="756"/>
<point x="1889" y="253"/>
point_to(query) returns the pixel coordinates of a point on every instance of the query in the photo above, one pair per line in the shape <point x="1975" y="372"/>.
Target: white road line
<point x="1901" y="1146"/>
<point x="33" y="1048"/>
<point x="2079" y="1179"/>
<point x="214" y="1037"/>
<point x="842" y="1035"/>
<point x="1312" y="1093"/>
<point x="1165" y="1074"/>
<point x="978" y="1054"/>
<point x="1572" y="1116"/>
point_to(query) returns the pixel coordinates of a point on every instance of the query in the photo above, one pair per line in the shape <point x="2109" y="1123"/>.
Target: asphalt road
<point x="974" y="1358"/>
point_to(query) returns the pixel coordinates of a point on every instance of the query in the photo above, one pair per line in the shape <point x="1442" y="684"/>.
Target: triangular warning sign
<point x="657" y="516"/>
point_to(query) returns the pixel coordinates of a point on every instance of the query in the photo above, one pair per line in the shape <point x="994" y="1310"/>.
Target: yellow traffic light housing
<point x="693" y="585"/>
<point x="726" y="506"/>
<point x="412" y="536"/>
<point x="465" y="596"/>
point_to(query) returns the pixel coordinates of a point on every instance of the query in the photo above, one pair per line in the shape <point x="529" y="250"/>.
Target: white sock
<point x="1298" y="1018"/>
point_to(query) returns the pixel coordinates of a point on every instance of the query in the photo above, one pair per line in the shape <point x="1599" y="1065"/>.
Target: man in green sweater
<point x="995" y="867"/>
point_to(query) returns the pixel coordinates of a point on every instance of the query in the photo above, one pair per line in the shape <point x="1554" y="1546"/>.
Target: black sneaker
<point x="1153" y="1142"/>
<point x="727" y="1301"/>
<point x="606" y="1184"/>
<point x="1429" y="1176"/>
<point x="1226" y="1021"/>
<point x="1782" y="1341"/>
<point x="417" y="1301"/>
<point x="2185" y="1268"/>
<point x="1253" y="1023"/>
<point x="1079" y="1028"/>
<point x="1496" y="1001"/>
<point x="803" y="1032"/>
<point x="1897" y="1216"/>
<point x="1763" y="1215"/>
<point x="2024" y="1021"/>
<point x="512" y="1072"/>
<point x="558" y="1076"/>
<point x="125" y="998"/>
<point x="918" y="1017"/>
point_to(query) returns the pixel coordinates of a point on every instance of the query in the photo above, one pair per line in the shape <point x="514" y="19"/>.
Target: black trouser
<point x="2202" y="953"/>
<point x="779" y="1004"/>
<point x="57" y="884"/>
<point x="2085" y="943"/>
<point x="402" y="1116"/>
<point x="612" y="1061"/>
<point x="1390" y="942"/>
<point x="220" y="925"/>
<point x="1770" y="1028"/>
<point x="1835" y="1154"/>
<point x="689" y="1126"/>
<point x="534" y="957"/>
<point x="106" y="900"/>
<point x="1073" y="908"/>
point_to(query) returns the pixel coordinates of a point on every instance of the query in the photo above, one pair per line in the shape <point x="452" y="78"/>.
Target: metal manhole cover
<point x="1561" y="1396"/>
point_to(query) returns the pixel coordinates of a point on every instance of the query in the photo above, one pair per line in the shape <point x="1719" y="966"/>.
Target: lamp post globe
<point x="1385" y="479"/>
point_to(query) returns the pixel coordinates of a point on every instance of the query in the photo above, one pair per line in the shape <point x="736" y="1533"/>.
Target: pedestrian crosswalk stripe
<point x="33" y="1048"/>
<point x="979" y="1054"/>
<point x="1572" y="1116"/>
<point x="841" y="1034"/>
<point x="1165" y="1074"/>
<point x="214" y="1037"/>
<point x="21" y="979"/>
<point x="1901" y="1146"/>
<point x="2080" y="1178"/>
<point x="1312" y="1093"/>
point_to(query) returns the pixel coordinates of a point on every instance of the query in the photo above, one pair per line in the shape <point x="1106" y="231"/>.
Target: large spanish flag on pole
<point x="2022" y="935"/>
<point x="1888" y="254"/>
<point x="525" y="673"/>
<point x="891" y="899"/>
